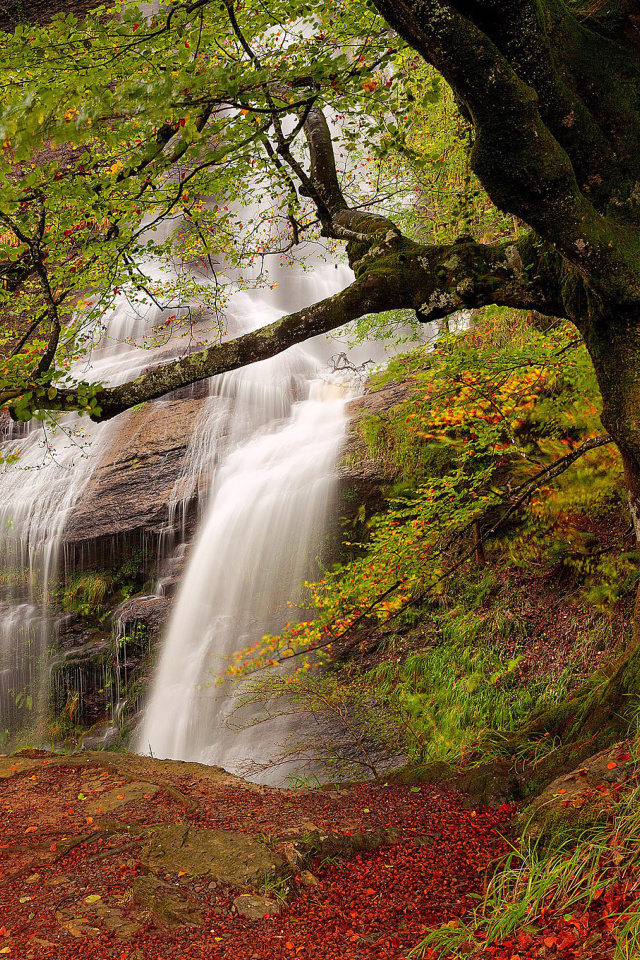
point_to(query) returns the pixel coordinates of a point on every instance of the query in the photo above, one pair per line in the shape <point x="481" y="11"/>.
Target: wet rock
<point x="129" y="492"/>
<point x="231" y="858"/>
<point x="147" y="610"/>
<point x="255" y="908"/>
<point x="169" y="906"/>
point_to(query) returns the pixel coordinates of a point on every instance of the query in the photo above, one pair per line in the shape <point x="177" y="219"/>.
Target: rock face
<point x="358" y="469"/>
<point x="127" y="499"/>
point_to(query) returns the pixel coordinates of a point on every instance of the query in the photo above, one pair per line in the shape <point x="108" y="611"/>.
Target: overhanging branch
<point x="393" y="274"/>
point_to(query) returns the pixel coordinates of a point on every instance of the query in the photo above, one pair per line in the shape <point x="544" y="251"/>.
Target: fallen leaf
<point x="92" y="898"/>
<point x="611" y="765"/>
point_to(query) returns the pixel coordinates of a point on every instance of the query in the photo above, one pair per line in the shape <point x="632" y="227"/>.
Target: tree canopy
<point x="122" y="119"/>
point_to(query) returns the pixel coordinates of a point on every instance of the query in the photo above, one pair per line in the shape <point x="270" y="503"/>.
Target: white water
<point x="37" y="497"/>
<point x="274" y="431"/>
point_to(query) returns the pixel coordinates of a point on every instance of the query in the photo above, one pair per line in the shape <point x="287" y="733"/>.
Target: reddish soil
<point x="376" y="904"/>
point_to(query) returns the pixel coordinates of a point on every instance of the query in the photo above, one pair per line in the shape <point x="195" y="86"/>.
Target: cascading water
<point x="37" y="496"/>
<point x="275" y="429"/>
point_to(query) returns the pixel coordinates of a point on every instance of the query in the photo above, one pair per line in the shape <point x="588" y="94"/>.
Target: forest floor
<point x="115" y="856"/>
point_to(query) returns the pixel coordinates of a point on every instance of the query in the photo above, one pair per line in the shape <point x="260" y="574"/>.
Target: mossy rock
<point x="230" y="858"/>
<point x="437" y="771"/>
<point x="488" y="784"/>
<point x="582" y="798"/>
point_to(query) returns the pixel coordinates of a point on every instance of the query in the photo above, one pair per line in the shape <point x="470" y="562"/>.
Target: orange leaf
<point x="31" y="829"/>
<point x="89" y="819"/>
<point x="289" y="946"/>
<point x="611" y="765"/>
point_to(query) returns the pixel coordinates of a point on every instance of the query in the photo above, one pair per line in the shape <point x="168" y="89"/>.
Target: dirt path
<point x="125" y="857"/>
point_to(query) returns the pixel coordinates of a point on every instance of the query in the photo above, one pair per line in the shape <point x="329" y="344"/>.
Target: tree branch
<point x="393" y="274"/>
<point x="522" y="166"/>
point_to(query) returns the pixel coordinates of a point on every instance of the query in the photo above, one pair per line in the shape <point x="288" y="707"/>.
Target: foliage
<point x="436" y="703"/>
<point x="86" y="592"/>
<point x="487" y="411"/>
<point x="108" y="154"/>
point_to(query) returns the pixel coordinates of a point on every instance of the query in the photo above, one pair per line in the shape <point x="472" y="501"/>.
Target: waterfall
<point x="38" y="494"/>
<point x="273" y="432"/>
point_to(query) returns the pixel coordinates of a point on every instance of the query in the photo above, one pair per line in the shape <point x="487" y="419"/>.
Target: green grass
<point x="454" y="693"/>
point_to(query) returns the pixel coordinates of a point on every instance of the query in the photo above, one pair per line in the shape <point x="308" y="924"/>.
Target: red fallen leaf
<point x="31" y="829"/>
<point x="524" y="940"/>
<point x="567" y="941"/>
<point x="53" y="847"/>
<point x="369" y="892"/>
<point x="564" y="790"/>
<point x="611" y="765"/>
<point x="289" y="946"/>
<point x="550" y="941"/>
<point x="597" y="893"/>
<point x="3" y="931"/>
